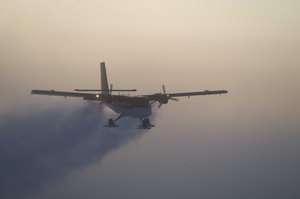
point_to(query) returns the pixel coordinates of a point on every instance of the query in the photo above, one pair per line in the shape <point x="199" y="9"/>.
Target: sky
<point x="240" y="145"/>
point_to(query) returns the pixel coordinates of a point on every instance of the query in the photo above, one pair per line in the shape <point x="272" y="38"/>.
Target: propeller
<point x="166" y="97"/>
<point x="171" y="98"/>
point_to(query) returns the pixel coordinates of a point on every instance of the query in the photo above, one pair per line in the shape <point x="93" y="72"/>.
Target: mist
<point x="41" y="147"/>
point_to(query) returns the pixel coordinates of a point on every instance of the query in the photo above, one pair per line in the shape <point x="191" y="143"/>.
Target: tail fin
<point x="104" y="82"/>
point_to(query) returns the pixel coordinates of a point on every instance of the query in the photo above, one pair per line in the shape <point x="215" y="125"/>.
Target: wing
<point x="206" y="92"/>
<point x="163" y="97"/>
<point x="85" y="96"/>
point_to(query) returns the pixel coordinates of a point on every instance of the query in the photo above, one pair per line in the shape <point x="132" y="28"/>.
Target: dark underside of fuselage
<point x="127" y="106"/>
<point x="128" y="101"/>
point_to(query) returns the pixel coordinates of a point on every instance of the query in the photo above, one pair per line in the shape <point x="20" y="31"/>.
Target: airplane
<point x="125" y="105"/>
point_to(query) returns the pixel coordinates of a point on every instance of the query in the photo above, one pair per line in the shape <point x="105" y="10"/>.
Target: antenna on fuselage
<point x="111" y="89"/>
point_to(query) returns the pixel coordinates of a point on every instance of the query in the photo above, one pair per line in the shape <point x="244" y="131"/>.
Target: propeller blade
<point x="174" y="99"/>
<point x="164" y="89"/>
<point x="159" y="106"/>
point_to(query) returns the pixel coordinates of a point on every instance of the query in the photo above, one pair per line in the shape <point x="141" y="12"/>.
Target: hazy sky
<point x="242" y="145"/>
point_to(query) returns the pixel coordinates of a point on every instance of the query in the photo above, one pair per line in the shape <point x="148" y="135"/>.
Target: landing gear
<point x="112" y="123"/>
<point x="145" y="124"/>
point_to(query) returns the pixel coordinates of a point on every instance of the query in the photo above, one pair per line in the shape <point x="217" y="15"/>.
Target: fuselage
<point x="129" y="106"/>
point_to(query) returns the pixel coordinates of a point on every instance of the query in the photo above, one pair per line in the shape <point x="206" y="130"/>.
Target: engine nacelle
<point x="163" y="99"/>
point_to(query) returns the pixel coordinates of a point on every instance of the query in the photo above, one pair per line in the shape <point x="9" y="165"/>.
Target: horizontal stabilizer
<point x="120" y="90"/>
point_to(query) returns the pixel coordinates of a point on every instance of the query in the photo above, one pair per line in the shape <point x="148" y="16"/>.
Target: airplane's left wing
<point x="85" y="96"/>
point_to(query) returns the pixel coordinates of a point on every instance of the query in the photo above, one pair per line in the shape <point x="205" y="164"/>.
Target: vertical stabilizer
<point x="104" y="82"/>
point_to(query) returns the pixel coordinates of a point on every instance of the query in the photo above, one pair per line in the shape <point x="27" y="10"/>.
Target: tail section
<point x="104" y="82"/>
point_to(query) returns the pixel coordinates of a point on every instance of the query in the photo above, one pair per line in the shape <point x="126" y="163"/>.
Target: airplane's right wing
<point x="85" y="96"/>
<point x="166" y="96"/>
<point x="188" y="94"/>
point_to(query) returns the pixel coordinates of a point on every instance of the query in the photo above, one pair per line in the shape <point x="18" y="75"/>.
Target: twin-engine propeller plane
<point x="125" y="105"/>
